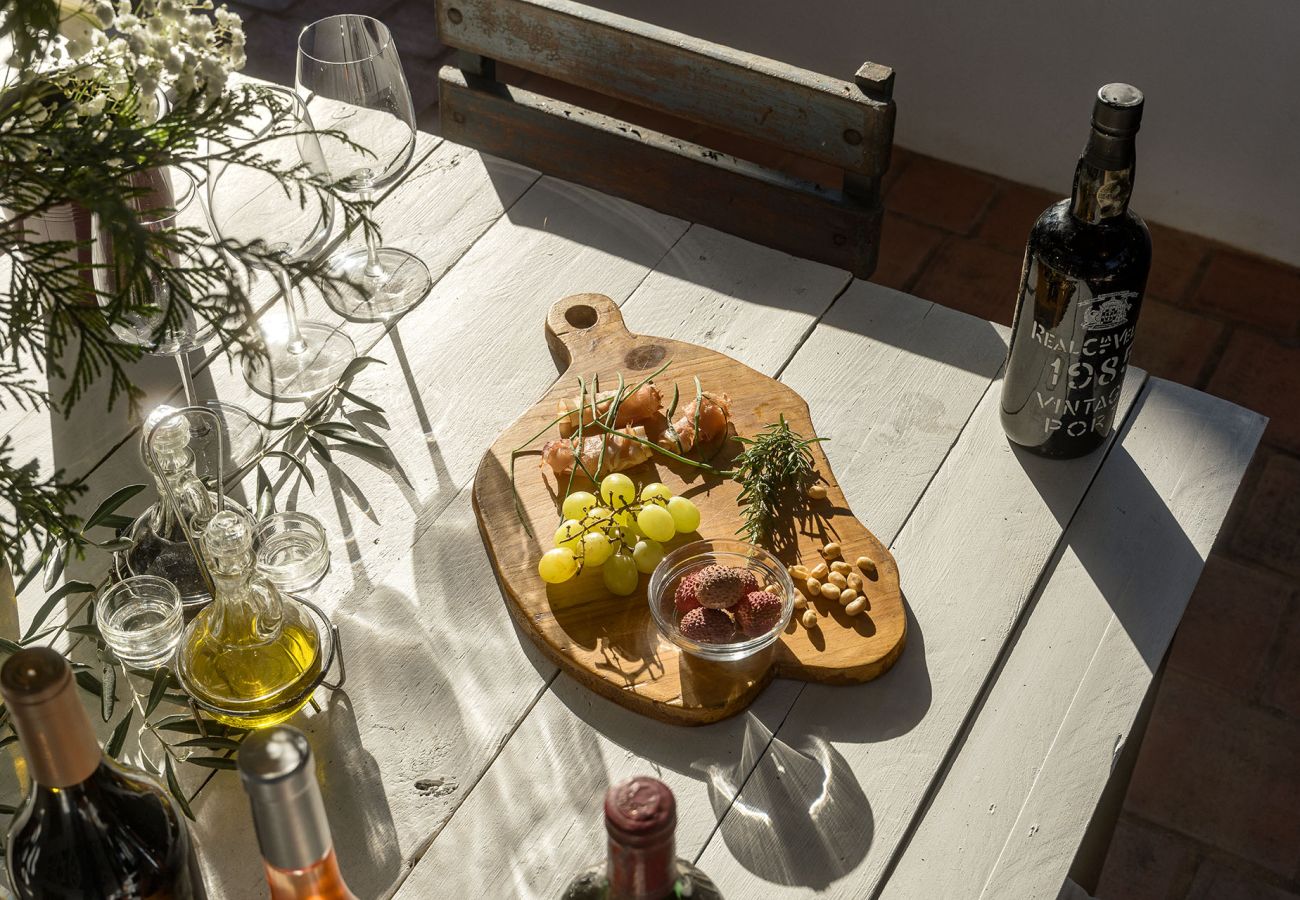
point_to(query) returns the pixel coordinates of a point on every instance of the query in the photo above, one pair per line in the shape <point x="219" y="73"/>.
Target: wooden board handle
<point x="575" y="323"/>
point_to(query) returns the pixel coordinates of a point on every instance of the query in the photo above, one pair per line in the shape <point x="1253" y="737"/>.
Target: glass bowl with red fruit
<point x="722" y="600"/>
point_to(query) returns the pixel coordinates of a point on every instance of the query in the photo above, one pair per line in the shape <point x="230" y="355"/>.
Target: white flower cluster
<point x="109" y="51"/>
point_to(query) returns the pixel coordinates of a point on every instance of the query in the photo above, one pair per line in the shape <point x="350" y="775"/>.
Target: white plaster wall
<point x="1006" y="86"/>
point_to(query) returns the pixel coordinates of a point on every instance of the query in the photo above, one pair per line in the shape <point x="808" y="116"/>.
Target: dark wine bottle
<point x="275" y="765"/>
<point x="1081" y="289"/>
<point x="89" y="828"/>
<point x="641" y="862"/>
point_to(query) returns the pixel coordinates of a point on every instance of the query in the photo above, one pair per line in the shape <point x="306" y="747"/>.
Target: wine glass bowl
<point x="350" y="76"/>
<point x="282" y="220"/>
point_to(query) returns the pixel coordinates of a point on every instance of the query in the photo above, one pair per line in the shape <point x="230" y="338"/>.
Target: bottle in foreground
<point x="642" y="863"/>
<point x="276" y="768"/>
<point x="1081" y="288"/>
<point x="89" y="828"/>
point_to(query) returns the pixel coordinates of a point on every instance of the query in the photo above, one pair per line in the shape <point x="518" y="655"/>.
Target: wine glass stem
<point x="187" y="379"/>
<point x="374" y="268"/>
<point x="295" y="343"/>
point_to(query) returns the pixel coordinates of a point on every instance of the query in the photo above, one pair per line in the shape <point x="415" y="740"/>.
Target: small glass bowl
<point x="140" y="618"/>
<point x="695" y="556"/>
<point x="292" y="551"/>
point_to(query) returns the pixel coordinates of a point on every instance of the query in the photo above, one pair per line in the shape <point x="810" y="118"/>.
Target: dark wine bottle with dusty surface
<point x="641" y="859"/>
<point x="89" y="828"/>
<point x="1081" y="289"/>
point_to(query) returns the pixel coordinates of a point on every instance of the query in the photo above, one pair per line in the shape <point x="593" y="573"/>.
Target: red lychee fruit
<point x="708" y="626"/>
<point x="719" y="587"/>
<point x="684" y="598"/>
<point x="758" y="613"/>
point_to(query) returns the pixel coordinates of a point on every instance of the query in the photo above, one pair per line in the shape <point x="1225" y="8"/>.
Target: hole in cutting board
<point x="580" y="316"/>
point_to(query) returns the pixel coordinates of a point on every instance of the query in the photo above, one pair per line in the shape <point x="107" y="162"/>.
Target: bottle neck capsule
<point x="641" y="821"/>
<point x="56" y="735"/>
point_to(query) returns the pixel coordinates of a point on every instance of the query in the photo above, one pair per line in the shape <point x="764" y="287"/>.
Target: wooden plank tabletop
<point x="1041" y="594"/>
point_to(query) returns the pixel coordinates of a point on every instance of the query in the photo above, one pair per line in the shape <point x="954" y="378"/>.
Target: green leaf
<point x="265" y="494"/>
<point x="174" y="786"/>
<point x="54" y="563"/>
<point x="110" y="505"/>
<point x="9" y="646"/>
<point x="332" y="428"/>
<point x="297" y="464"/>
<point x="108" y="696"/>
<point x="114" y="545"/>
<point x="86" y="630"/>
<point x="214" y="742"/>
<point x="70" y="587"/>
<point x="117" y="522"/>
<point x="356" y="366"/>
<point x="90" y="683"/>
<point x="7" y="810"/>
<point x="318" y="447"/>
<point x="212" y="762"/>
<point x="157" y="690"/>
<point x="362" y="402"/>
<point x="118" y="737"/>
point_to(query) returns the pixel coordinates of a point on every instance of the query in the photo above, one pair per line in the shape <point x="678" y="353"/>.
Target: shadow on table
<point x="365" y="837"/>
<point x="621" y="228"/>
<point x="1125" y="498"/>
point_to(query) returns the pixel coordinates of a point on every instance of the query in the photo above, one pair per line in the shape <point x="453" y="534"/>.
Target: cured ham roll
<point x="637" y="408"/>
<point x="715" y="416"/>
<point x="622" y="453"/>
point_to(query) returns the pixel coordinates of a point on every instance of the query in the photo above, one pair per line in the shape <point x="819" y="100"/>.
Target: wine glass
<point x="289" y="221"/>
<point x="168" y="201"/>
<point x="350" y="77"/>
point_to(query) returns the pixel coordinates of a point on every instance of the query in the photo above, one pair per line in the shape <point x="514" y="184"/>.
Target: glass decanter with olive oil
<point x="158" y="542"/>
<point x="252" y="657"/>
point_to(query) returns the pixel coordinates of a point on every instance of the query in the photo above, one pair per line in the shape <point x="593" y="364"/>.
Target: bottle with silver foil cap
<point x="275" y="766"/>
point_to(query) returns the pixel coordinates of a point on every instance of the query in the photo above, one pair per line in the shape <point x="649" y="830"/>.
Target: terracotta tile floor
<point x="1213" y="811"/>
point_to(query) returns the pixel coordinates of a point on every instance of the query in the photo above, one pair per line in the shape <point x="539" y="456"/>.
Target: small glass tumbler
<point x="292" y="551"/>
<point x="140" y="619"/>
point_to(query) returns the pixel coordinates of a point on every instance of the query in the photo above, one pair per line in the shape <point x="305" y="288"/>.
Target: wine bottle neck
<point x="322" y="881"/>
<point x="58" y="740"/>
<point x="642" y="872"/>
<point x="1103" y="180"/>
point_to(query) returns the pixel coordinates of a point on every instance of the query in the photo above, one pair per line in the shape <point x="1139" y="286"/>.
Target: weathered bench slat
<point x="824" y="118"/>
<point x="807" y="220"/>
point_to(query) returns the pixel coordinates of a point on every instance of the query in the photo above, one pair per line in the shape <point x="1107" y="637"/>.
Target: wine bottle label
<point x="1070" y="351"/>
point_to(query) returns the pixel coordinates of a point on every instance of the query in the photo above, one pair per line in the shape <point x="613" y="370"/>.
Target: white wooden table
<point x="1042" y="594"/>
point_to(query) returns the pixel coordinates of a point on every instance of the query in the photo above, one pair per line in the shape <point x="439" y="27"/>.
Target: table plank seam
<point x="1004" y="653"/>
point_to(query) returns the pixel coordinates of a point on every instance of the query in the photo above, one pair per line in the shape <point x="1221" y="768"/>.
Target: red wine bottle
<point x="1081" y="289"/>
<point x="641" y="863"/>
<point x="275" y="765"/>
<point x="89" y="828"/>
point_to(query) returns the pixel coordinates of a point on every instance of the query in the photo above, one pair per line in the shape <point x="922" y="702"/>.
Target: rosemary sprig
<point x="774" y="464"/>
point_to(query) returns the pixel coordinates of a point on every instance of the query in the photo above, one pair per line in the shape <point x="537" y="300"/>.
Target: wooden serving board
<point x="611" y="643"/>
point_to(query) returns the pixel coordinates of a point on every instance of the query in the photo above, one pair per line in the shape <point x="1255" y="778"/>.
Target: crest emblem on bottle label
<point x="1108" y="310"/>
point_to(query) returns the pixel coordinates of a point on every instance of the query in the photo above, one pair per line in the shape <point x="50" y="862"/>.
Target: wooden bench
<point x="779" y="155"/>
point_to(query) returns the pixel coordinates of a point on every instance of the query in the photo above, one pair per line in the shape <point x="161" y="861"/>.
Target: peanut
<point x="820" y="571"/>
<point x="838" y="580"/>
<point x="856" y="607"/>
<point x="800" y="601"/>
<point x="773" y="589"/>
<point x="868" y="567"/>
<point x="855" y="581"/>
<point x="813" y="586"/>
<point x="848" y="596"/>
<point x="841" y="566"/>
<point x="831" y="550"/>
<point x="809" y="618"/>
<point x="830" y="591"/>
<point x="799" y="573"/>
<point x="816" y="492"/>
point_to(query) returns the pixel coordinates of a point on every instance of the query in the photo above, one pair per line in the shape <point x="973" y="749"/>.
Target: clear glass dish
<point x="691" y="558"/>
<point x="140" y="618"/>
<point x="292" y="550"/>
